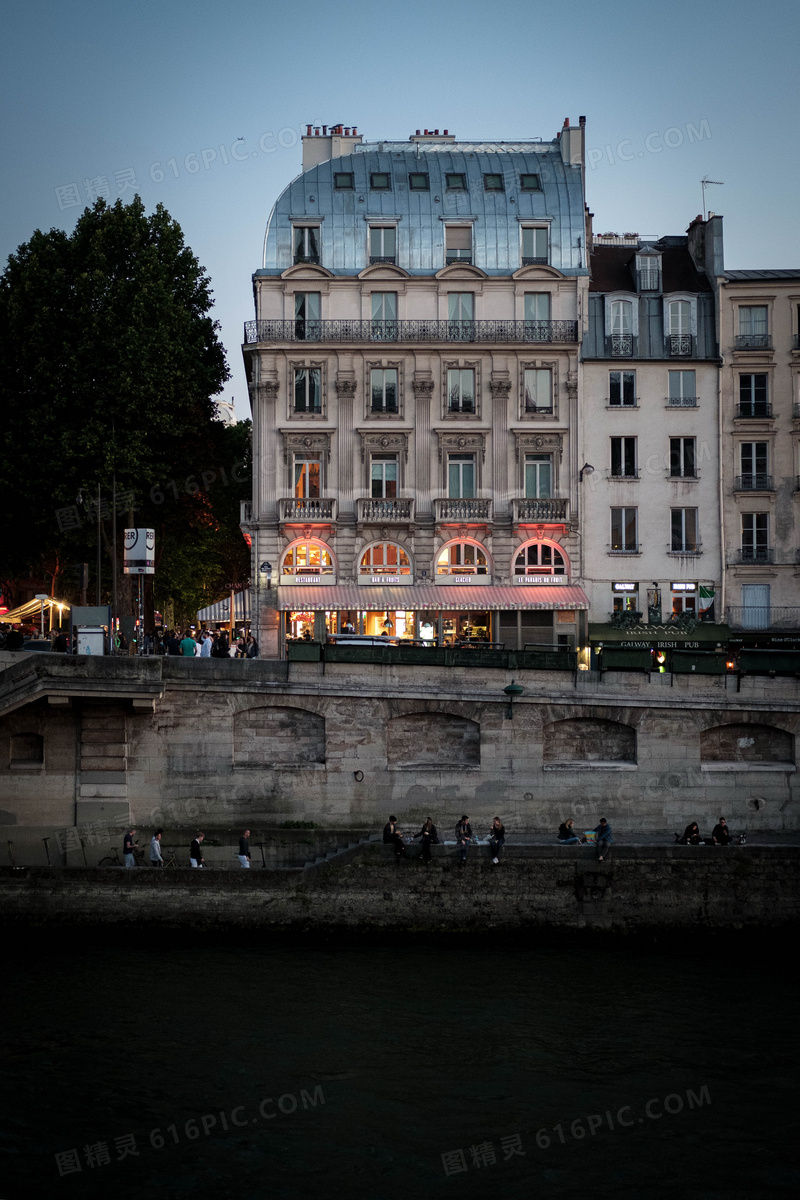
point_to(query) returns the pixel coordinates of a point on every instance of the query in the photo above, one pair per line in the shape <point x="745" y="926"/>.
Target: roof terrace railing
<point x="409" y="331"/>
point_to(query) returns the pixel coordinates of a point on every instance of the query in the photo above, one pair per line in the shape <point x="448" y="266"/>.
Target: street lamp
<point x="586" y="469"/>
<point x="513" y="689"/>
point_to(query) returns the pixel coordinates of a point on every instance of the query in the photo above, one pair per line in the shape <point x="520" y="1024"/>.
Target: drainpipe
<point x="721" y="472"/>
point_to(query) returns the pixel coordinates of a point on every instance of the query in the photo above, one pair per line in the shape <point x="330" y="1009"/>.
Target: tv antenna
<point x="706" y="182"/>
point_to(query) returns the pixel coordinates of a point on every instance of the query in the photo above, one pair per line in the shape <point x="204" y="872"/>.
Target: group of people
<point x="196" y="859"/>
<point x="428" y="836"/>
<point x="602" y="837"/>
<point x="720" y="835"/>
<point x="204" y="644"/>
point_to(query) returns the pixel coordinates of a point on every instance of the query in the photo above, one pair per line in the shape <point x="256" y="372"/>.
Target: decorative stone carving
<point x="270" y="388"/>
<point x="539" y="443"/>
<point x="461" y="443"/>
<point x="318" y="442"/>
<point x="500" y="388"/>
<point x="384" y="443"/>
<point x="423" y="388"/>
<point x="345" y="387"/>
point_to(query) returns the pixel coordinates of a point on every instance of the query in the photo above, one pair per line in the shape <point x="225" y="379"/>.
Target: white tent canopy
<point x="220" y="612"/>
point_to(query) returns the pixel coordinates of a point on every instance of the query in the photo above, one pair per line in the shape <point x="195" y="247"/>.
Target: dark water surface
<point x="393" y="1057"/>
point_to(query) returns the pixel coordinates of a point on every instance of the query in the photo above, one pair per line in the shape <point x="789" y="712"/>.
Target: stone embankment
<point x="363" y="890"/>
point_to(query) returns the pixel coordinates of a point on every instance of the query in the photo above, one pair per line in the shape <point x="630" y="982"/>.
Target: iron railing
<point x="685" y="548"/>
<point x="753" y="483"/>
<point x="762" y="616"/>
<point x="622" y="475"/>
<point x="679" y="345"/>
<point x="462" y="510"/>
<point x="684" y="474"/>
<point x="458" y="256"/>
<point x="753" y="409"/>
<point x="527" y="261"/>
<point x="681" y="401"/>
<point x="306" y="258"/>
<point x="753" y="341"/>
<point x="755" y="554"/>
<point x="631" y="548"/>
<point x="538" y="508"/>
<point x="621" y="345"/>
<point x="409" y="331"/>
<point x="382" y="258"/>
<point x="382" y="511"/>
<point x="307" y="509"/>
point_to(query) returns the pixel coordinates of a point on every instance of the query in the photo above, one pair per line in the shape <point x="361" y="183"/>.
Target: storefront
<point x="657" y="641"/>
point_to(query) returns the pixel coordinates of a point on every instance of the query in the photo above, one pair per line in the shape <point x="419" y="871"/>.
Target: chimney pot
<point x="316" y="131"/>
<point x="426" y="133"/>
<point x="308" y="131"/>
<point x="445" y="133"/>
<point x="355" y="132"/>
<point x="324" y="130"/>
<point x="566" y="122"/>
<point x="436" y="131"/>
<point x="417" y="133"/>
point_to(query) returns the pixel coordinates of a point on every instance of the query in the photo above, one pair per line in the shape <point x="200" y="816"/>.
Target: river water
<point x="186" y="1065"/>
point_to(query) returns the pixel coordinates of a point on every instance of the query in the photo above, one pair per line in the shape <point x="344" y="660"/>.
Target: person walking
<point x="128" y="848"/>
<point x="244" y="849"/>
<point x="196" y="851"/>
<point x="497" y="835"/>
<point x="604" y="840"/>
<point x="156" y="859"/>
<point x="463" y="837"/>
<point x="429" y="838"/>
<point x="566" y="833"/>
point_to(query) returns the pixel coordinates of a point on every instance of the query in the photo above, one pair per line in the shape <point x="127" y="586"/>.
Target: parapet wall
<point x="365" y="891"/>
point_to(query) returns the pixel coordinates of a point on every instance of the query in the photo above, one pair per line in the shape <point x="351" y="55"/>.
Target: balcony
<point x="681" y="401"/>
<point x="752" y="341"/>
<point x="755" y="554"/>
<point x="306" y="510"/>
<point x="528" y="261"/>
<point x="539" y="510"/>
<point x="621" y="345"/>
<point x="753" y="411"/>
<point x="753" y="483"/>
<point x="680" y="345"/>
<point x="762" y="616"/>
<point x="382" y="258"/>
<point x="384" y="512"/>
<point x="506" y="332"/>
<point x="458" y="256"/>
<point x="458" y="512"/>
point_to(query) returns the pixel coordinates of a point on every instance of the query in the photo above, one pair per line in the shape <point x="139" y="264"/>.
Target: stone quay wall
<point x="88" y="742"/>
<point x="364" y="891"/>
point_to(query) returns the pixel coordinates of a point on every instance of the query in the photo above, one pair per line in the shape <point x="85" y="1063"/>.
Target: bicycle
<point x="114" y="859"/>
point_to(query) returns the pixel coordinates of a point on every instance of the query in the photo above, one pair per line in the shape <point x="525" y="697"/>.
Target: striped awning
<point x="430" y="596"/>
<point x="221" y="611"/>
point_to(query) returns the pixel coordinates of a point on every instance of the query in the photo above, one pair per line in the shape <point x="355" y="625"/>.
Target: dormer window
<point x="648" y="270"/>
<point x="343" y="181"/>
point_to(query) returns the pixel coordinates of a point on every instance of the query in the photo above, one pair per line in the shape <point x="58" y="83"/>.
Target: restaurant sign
<point x="541" y="579"/>
<point x="472" y="580"/>
<point x="387" y="580"/>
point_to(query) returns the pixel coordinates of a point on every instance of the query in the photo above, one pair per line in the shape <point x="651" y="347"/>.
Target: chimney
<point x="328" y="143"/>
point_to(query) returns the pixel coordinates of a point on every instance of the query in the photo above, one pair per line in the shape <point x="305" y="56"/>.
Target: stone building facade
<point x="413" y="372"/>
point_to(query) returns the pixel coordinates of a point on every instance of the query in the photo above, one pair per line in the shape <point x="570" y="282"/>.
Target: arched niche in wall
<point x="432" y="741"/>
<point x="589" y="742"/>
<point x="278" y="736"/>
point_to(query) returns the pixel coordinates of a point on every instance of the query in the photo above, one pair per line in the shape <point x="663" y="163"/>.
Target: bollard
<point x="47" y="850"/>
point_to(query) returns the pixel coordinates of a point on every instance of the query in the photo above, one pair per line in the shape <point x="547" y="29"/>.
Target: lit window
<point x="462" y="558"/>
<point x="539" y="558"/>
<point x="307" y="471"/>
<point x="385" y="559"/>
<point x="307" y="558"/>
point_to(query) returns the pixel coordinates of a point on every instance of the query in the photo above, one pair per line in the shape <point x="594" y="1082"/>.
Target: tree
<point x="108" y="364"/>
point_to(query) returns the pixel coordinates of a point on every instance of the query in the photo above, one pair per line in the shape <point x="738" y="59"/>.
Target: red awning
<point x="430" y="596"/>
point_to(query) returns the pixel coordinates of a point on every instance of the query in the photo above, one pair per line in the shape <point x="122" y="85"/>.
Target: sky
<point x="200" y="107"/>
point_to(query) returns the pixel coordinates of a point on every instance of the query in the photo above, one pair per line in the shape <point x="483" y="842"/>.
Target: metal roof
<point x="343" y="215"/>
<point x="789" y="273"/>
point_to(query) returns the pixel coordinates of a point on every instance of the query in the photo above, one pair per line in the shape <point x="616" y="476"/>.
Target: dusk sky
<point x="153" y="98"/>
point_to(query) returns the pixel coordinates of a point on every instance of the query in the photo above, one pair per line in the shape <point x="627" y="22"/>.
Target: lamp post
<point x="513" y="689"/>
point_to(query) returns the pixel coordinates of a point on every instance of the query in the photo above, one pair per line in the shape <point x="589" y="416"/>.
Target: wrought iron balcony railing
<point x="310" y="509"/>
<point x="681" y="401"/>
<point x="753" y="410"/>
<point x="680" y="345"/>
<point x="528" y="261"/>
<point x="621" y="345"/>
<point x="410" y="331"/>
<point x="753" y="341"/>
<point x="762" y="616"/>
<point x="538" y="509"/>
<point x="755" y="554"/>
<point x="306" y="258"/>
<point x="384" y="512"/>
<point x="382" y="258"/>
<point x="458" y="256"/>
<point x="629" y="548"/>
<point x="753" y="483"/>
<point x="466" y="510"/>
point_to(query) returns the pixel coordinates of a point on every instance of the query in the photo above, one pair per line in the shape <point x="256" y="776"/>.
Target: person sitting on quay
<point x="196" y="851"/>
<point x="691" y="835"/>
<point x="429" y="838"/>
<point x="497" y="835"/>
<point x="604" y="839"/>
<point x="463" y="837"/>
<point x="393" y="836"/>
<point x="721" y="835"/>
<point x="566" y="833"/>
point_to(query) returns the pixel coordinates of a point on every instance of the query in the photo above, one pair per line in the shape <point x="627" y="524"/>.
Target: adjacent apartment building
<point x="760" y="431"/>
<point x="652" y="563"/>
<point x="413" y="369"/>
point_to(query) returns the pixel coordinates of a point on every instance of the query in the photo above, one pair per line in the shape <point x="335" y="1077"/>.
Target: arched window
<point x="540" y="558"/>
<point x="307" y="558"/>
<point x="385" y="558"/>
<point x="621" y="317"/>
<point x="462" y="558"/>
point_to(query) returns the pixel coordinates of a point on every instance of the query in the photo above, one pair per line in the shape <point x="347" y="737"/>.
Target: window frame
<point x="678" y="446"/>
<point x="400" y="569"/>
<point x="381" y="228"/>
<point x="460" y="410"/>
<point x="453" y="254"/>
<point x="680" y="394"/>
<point x="625" y="448"/>
<point x="538" y="460"/>
<point x="383" y="411"/>
<point x="295" y="368"/>
<point x="491" y="187"/>
<point x="525" y="187"/>
<point x="324" y="569"/>
<point x="374" y="187"/>
<point x="455" y="187"/>
<point x="539" y="544"/>
<point x="462" y="568"/>
<point x="687" y="545"/>
<point x="302" y="459"/>
<point x="462" y="459"/>
<point x="757" y="407"/>
<point x="625" y="547"/>
<point x="304" y="228"/>
<point x="425" y="186"/>
<point x="536" y="228"/>
<point x="621" y="404"/>
<point x="538" y="370"/>
<point x="338" y="186"/>
<point x="384" y="459"/>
